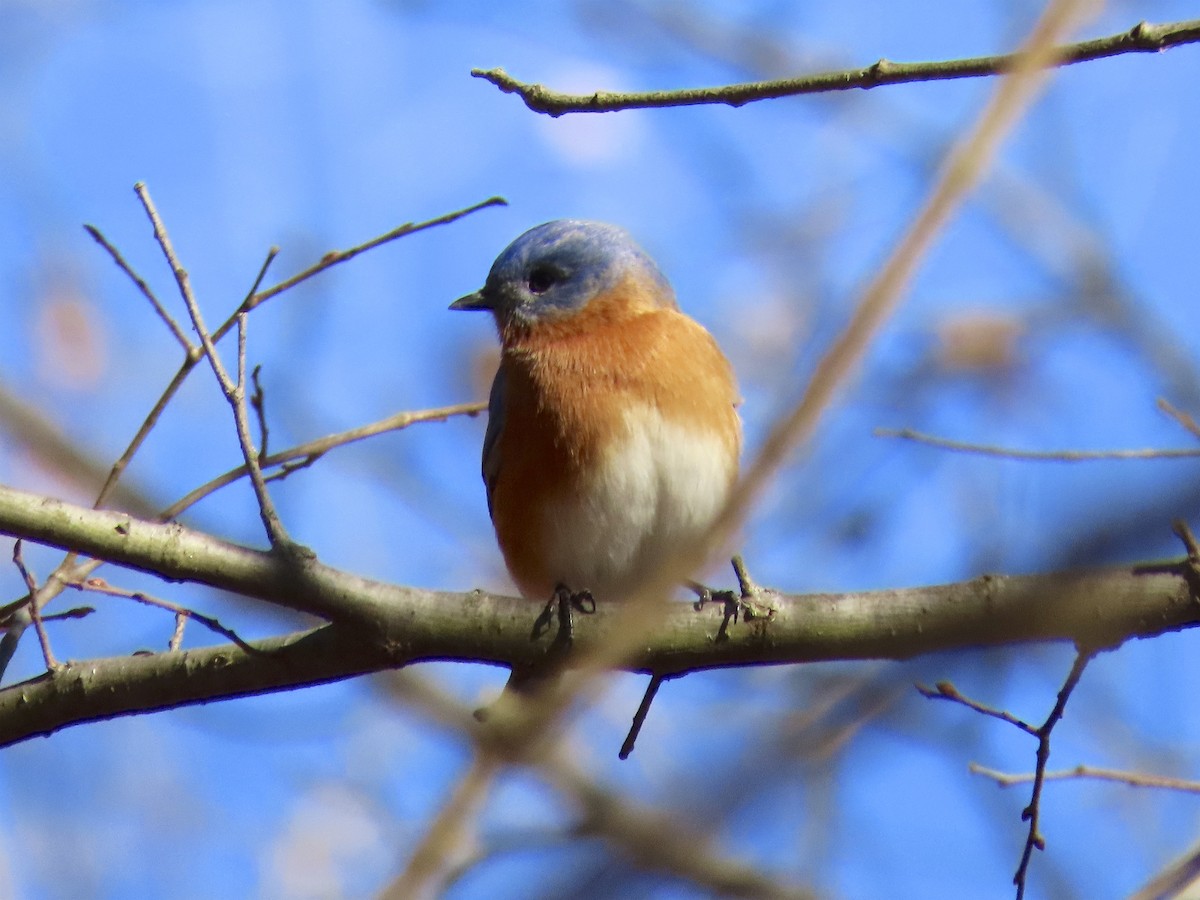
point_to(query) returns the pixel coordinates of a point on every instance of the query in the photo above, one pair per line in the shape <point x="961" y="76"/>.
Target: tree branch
<point x="908" y="434"/>
<point x="380" y="625"/>
<point x="1141" y="38"/>
<point x="310" y="451"/>
<point x="234" y="390"/>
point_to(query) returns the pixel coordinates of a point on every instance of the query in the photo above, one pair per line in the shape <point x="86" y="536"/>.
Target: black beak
<point x="477" y="300"/>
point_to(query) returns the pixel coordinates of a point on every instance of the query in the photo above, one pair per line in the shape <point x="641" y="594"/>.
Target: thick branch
<point x="381" y="625"/>
<point x="117" y="686"/>
<point x="1142" y="38"/>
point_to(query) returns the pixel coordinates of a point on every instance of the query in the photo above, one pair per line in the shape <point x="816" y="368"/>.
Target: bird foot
<point x="562" y="606"/>
<point x="749" y="602"/>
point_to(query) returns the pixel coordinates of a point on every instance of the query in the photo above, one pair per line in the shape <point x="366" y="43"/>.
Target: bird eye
<point x="542" y="279"/>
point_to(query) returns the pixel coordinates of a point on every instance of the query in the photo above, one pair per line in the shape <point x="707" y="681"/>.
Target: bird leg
<point x="561" y="606"/>
<point x="706" y="595"/>
<point x="563" y="603"/>
<point x="749" y="602"/>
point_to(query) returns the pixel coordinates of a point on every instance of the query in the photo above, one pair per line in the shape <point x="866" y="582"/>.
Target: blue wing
<point x="491" y="439"/>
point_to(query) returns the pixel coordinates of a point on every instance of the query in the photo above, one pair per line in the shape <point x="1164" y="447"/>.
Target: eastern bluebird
<point x="613" y="435"/>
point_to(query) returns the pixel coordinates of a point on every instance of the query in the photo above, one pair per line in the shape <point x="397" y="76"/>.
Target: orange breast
<point x="568" y="386"/>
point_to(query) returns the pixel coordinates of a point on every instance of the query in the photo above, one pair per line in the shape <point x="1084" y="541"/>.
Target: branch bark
<point x="1141" y="38"/>
<point x="375" y="626"/>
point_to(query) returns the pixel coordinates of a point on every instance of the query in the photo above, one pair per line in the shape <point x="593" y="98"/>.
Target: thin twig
<point x="257" y="399"/>
<point x="100" y="586"/>
<point x="1179" y="416"/>
<point x="76" y="612"/>
<point x="639" y="717"/>
<point x="288" y="469"/>
<point x="1133" y="779"/>
<point x="746" y="584"/>
<point x="944" y="690"/>
<point x="275" y="529"/>
<point x="907" y="434"/>
<point x="310" y="451"/>
<point x="176" y="640"/>
<point x="1184" y="532"/>
<point x="196" y="354"/>
<point x="334" y="257"/>
<point x="258" y="402"/>
<point x="272" y="252"/>
<point x="754" y="600"/>
<point x="118" y="468"/>
<point x="1141" y="38"/>
<point x="14" y="630"/>
<point x="35" y="606"/>
<point x="235" y="392"/>
<point x="137" y="279"/>
<point x="1032" y="812"/>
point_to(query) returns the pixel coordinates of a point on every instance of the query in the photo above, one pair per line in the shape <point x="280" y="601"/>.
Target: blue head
<point x="555" y="269"/>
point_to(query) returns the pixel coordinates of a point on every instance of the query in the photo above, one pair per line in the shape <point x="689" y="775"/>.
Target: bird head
<point x="555" y="270"/>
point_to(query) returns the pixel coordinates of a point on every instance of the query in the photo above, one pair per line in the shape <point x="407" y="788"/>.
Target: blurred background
<point x="1051" y="314"/>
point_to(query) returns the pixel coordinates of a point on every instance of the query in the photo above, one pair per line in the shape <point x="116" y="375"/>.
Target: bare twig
<point x="276" y="532"/>
<point x="1141" y="38"/>
<point x="309" y="452"/>
<point x="78" y="612"/>
<point x="272" y="252"/>
<point x="639" y="717"/>
<point x="137" y="279"/>
<point x="14" y="629"/>
<point x="258" y="402"/>
<point x="1095" y="773"/>
<point x="35" y="606"/>
<point x="193" y="356"/>
<point x="334" y="257"/>
<point x="234" y="391"/>
<point x="1184" y="532"/>
<point x="257" y="399"/>
<point x="100" y="586"/>
<point x="289" y="468"/>
<point x="196" y="354"/>
<point x="118" y="468"/>
<point x="1183" y="418"/>
<point x="944" y="690"/>
<point x="908" y="434"/>
<point x="1032" y="812"/>
<point x="753" y="600"/>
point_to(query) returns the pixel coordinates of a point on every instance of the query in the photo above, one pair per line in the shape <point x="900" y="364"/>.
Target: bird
<point x="613" y="433"/>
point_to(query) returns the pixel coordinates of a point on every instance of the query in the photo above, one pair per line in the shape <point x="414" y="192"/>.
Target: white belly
<point x="654" y="494"/>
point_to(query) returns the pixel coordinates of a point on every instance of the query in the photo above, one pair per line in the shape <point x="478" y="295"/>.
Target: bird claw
<point x="747" y="603"/>
<point x="706" y="595"/>
<point x="561" y="606"/>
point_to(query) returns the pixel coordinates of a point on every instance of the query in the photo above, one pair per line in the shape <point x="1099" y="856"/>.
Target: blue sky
<point x="314" y="126"/>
